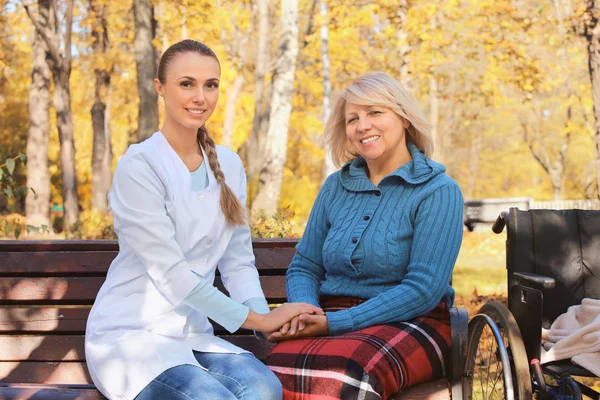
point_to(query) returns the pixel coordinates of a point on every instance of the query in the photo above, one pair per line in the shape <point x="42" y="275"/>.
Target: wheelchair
<point x="553" y="262"/>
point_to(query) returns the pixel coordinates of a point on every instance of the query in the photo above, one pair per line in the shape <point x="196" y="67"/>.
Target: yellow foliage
<point x="496" y="66"/>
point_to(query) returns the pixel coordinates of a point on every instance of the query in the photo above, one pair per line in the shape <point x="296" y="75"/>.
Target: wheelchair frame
<point x="513" y="337"/>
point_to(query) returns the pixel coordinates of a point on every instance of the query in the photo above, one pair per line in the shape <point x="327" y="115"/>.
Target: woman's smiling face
<point x="190" y="90"/>
<point x="376" y="133"/>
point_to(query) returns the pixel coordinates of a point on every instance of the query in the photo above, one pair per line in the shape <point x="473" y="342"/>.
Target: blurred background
<point x="507" y="85"/>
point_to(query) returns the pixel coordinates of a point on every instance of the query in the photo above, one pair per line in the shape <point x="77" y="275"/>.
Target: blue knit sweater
<point x="394" y="244"/>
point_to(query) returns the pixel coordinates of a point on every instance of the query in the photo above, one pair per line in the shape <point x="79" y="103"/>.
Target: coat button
<point x="354" y="240"/>
<point x="201" y="197"/>
<point x="377" y="194"/>
<point x="366" y="218"/>
<point x="209" y="242"/>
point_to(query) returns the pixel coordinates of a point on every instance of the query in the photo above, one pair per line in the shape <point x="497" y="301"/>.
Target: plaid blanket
<point x="372" y="363"/>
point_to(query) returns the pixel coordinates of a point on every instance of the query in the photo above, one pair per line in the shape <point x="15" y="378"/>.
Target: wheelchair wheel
<point x="496" y="365"/>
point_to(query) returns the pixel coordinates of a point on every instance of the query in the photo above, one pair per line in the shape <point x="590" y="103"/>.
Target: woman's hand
<point x="312" y="325"/>
<point x="278" y="317"/>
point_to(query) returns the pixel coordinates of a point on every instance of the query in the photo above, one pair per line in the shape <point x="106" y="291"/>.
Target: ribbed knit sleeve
<point x="436" y="241"/>
<point x="306" y="272"/>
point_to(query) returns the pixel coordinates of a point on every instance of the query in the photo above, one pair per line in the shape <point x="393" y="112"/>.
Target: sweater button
<point x="366" y="218"/>
<point x="377" y="194"/>
<point x="354" y="240"/>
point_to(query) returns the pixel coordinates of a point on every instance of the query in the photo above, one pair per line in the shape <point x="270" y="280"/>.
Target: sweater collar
<point x="354" y="176"/>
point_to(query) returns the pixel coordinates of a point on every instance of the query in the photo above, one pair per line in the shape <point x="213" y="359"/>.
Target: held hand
<point x="314" y="325"/>
<point x="278" y="317"/>
<point x="296" y="324"/>
<point x="292" y="327"/>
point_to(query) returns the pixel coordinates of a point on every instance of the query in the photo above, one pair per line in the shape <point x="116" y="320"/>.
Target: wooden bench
<point x="48" y="287"/>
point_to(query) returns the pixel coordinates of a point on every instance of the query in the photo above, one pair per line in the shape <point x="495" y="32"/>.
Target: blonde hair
<point x="230" y="204"/>
<point x="375" y="89"/>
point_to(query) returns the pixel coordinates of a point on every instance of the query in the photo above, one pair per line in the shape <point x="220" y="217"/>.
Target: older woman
<point x="377" y="256"/>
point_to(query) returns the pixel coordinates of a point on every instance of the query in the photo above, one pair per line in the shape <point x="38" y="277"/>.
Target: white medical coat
<point x="170" y="238"/>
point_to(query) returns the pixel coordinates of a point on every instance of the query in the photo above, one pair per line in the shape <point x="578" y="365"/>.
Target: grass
<point x="481" y="267"/>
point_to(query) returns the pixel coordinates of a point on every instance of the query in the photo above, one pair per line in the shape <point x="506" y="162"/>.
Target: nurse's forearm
<point x="254" y="321"/>
<point x="208" y="300"/>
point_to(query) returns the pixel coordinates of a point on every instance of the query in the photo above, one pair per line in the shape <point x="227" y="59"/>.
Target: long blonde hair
<point x="230" y="204"/>
<point x="375" y="89"/>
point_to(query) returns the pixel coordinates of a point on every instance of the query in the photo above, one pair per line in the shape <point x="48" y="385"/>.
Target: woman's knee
<point x="185" y="382"/>
<point x="265" y="386"/>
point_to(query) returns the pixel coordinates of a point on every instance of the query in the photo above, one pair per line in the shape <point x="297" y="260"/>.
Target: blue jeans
<point x="229" y="377"/>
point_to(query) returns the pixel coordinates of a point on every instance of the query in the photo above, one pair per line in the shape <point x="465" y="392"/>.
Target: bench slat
<point x="111" y="245"/>
<point x="436" y="390"/>
<point x="81" y="291"/>
<point x="53" y="348"/>
<point x="36" y="320"/>
<point x="47" y="319"/>
<point x="48" y="392"/>
<point x="44" y="372"/>
<point x="96" y="263"/>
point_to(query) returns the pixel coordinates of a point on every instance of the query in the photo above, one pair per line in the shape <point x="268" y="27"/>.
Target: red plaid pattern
<point x="372" y="363"/>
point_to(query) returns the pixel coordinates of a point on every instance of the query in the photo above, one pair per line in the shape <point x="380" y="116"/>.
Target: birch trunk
<point x="403" y="45"/>
<point x="276" y="139"/>
<point x="38" y="177"/>
<point x="434" y="105"/>
<point x="328" y="167"/>
<point x="230" y="109"/>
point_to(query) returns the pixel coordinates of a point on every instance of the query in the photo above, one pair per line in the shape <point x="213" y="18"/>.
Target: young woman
<point x="377" y="255"/>
<point x="178" y="205"/>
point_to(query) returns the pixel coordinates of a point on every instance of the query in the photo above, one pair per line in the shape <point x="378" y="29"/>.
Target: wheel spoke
<point x="496" y="350"/>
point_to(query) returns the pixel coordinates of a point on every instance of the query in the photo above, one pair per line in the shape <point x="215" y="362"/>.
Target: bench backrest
<point x="48" y="287"/>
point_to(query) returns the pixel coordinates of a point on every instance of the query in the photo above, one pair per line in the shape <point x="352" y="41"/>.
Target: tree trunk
<point x="60" y="65"/>
<point x="37" y="205"/>
<point x="230" y="108"/>
<point x="434" y="105"/>
<point x="434" y="116"/>
<point x="328" y="166"/>
<point x="64" y="122"/>
<point x="102" y="151"/>
<point x="145" y="63"/>
<point x="403" y="45"/>
<point x="592" y="34"/>
<point x="254" y="159"/>
<point x="276" y="139"/>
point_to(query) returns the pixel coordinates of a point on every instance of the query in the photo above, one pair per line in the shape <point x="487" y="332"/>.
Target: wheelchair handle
<point x="500" y="223"/>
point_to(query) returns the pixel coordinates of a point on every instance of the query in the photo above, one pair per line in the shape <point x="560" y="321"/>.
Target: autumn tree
<point x="37" y="203"/>
<point x="592" y="35"/>
<point x="276" y="138"/>
<point x="100" y="112"/>
<point x="145" y="62"/>
<point x="328" y="166"/>
<point x="236" y="44"/>
<point x="261" y="98"/>
<point x="59" y="61"/>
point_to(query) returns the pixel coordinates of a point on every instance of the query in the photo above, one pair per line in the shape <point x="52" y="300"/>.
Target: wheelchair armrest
<point x="534" y="281"/>
<point x="459" y="324"/>
<point x="500" y="223"/>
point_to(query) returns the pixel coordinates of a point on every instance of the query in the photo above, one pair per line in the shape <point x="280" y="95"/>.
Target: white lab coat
<point x="169" y="239"/>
